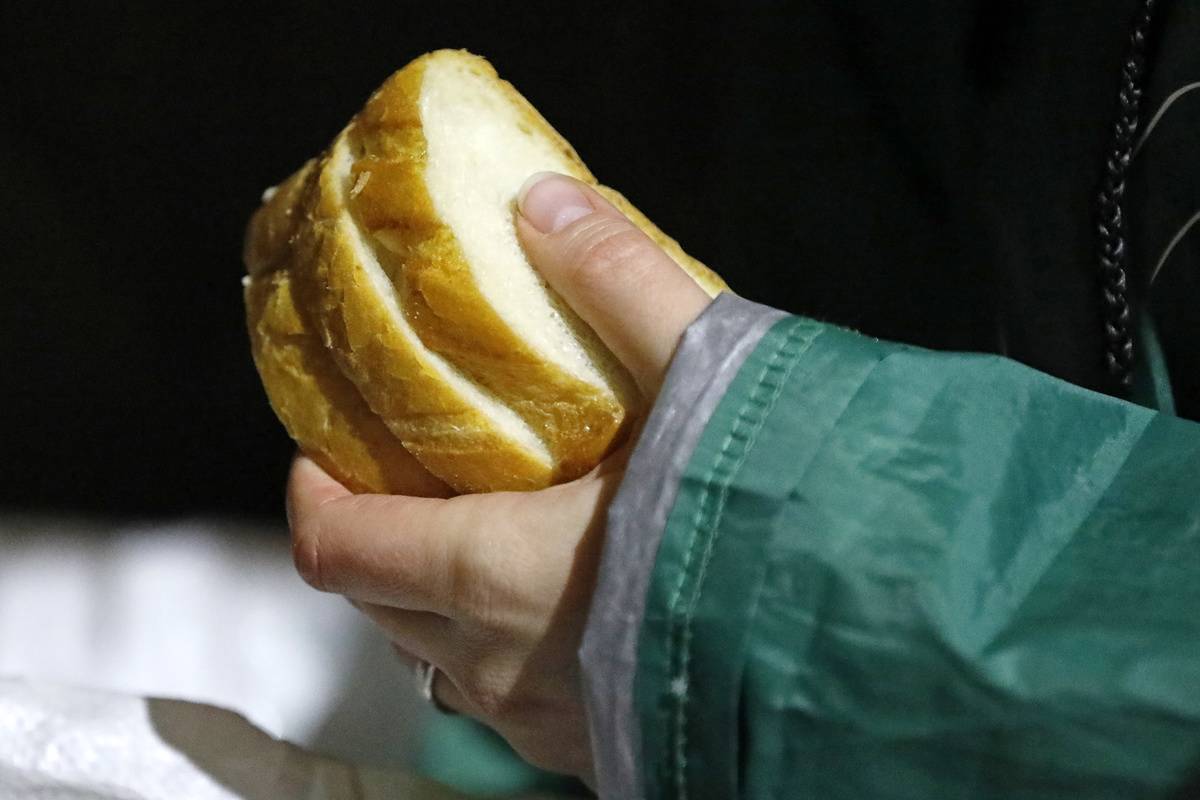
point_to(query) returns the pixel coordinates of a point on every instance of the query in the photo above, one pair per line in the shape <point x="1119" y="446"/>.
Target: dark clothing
<point x="927" y="172"/>
<point x="846" y="567"/>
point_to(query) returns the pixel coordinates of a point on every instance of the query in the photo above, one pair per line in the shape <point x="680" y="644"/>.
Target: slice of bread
<point x="319" y="407"/>
<point x="401" y="252"/>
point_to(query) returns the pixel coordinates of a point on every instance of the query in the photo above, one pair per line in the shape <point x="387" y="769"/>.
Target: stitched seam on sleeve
<point x="735" y="448"/>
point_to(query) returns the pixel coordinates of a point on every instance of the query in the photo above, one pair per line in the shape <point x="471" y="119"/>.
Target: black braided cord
<point x="1110" y="216"/>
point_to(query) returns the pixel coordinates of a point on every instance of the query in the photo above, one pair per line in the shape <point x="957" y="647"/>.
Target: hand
<point x="494" y="589"/>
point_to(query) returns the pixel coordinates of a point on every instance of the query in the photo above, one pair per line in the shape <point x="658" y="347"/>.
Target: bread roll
<point x="393" y="313"/>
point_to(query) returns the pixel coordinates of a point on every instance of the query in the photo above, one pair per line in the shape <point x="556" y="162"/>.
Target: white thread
<point x="1187" y="226"/>
<point x="1171" y="98"/>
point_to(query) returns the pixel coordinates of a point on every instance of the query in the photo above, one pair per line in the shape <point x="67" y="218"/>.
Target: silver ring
<point x="426" y="674"/>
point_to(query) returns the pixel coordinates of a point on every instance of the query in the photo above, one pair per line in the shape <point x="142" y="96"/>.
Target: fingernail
<point x="551" y="201"/>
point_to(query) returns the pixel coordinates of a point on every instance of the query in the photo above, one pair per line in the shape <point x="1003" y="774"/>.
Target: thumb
<point x="636" y="299"/>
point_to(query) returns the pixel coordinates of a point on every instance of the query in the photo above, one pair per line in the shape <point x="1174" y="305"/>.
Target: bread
<point x="393" y="314"/>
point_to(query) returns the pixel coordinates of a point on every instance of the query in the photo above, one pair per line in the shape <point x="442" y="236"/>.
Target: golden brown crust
<point x="303" y="234"/>
<point x="398" y="377"/>
<point x="277" y="223"/>
<point x="319" y="407"/>
<point x="578" y="422"/>
<point x="337" y="365"/>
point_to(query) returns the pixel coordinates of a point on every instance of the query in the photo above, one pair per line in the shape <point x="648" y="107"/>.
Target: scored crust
<point x="383" y="291"/>
<point x="404" y="384"/>
<point x="578" y="420"/>
<point x="322" y="410"/>
<point x="319" y="407"/>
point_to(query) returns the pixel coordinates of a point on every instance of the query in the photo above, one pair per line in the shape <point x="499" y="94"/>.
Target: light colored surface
<point x="292" y="694"/>
<point x="480" y="151"/>
<point x="60" y="743"/>
<point x="208" y="612"/>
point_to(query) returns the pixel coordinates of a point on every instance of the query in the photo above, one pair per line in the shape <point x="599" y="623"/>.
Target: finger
<point x="616" y="279"/>
<point x="319" y="486"/>
<point x="389" y="549"/>
<point x="421" y="634"/>
<point x="445" y="693"/>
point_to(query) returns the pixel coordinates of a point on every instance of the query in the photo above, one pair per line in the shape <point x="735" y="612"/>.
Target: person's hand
<point x="494" y="589"/>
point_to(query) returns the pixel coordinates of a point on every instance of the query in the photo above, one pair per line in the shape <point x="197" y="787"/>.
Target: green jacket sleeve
<point x="893" y="573"/>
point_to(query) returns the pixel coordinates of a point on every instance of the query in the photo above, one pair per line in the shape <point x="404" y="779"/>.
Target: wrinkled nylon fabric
<point x="708" y="358"/>
<point x="890" y="572"/>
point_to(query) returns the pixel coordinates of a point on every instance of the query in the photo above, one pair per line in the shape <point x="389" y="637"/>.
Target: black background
<point x="136" y="143"/>
<point x="919" y="171"/>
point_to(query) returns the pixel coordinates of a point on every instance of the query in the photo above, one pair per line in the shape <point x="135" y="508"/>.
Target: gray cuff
<point x="709" y="356"/>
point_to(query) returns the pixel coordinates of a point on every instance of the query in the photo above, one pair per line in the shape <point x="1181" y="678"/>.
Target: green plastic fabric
<point x="894" y="573"/>
<point x="467" y="756"/>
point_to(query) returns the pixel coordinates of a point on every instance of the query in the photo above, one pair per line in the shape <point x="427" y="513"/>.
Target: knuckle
<point x="609" y="252"/>
<point x="489" y="693"/>
<point x="314" y="551"/>
<point x="523" y="713"/>
<point x="482" y="569"/>
<point x="492" y="704"/>
<point x="306" y="552"/>
<point x="468" y="582"/>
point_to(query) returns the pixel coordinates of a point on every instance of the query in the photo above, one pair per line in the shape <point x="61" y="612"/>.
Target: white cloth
<point x="208" y="612"/>
<point x="95" y="619"/>
<point x="58" y="743"/>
